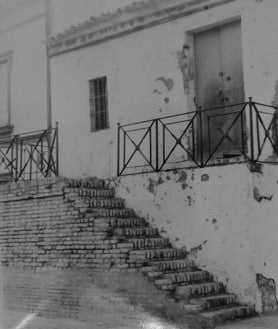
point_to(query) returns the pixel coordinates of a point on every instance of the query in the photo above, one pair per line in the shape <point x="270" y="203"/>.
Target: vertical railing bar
<point x="157" y="144"/>
<point x="21" y="155"/>
<point x="124" y="154"/>
<point x="12" y="160"/>
<point x="151" y="156"/>
<point x="258" y="135"/>
<point x="16" y="157"/>
<point x="242" y="133"/>
<point x="275" y="131"/>
<point x="163" y="142"/>
<point x="251" y="128"/>
<point x="41" y="157"/>
<point x="31" y="161"/>
<point x="193" y="140"/>
<point x="118" y="152"/>
<point x="57" y="148"/>
<point x="201" y="137"/>
<point x="209" y="137"/>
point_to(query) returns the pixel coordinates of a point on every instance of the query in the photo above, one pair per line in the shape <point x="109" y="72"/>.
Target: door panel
<point x="219" y="82"/>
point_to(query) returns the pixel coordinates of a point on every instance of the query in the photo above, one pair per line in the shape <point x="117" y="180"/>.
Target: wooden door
<point x="219" y="82"/>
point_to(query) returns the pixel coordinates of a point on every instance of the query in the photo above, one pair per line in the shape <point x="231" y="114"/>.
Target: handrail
<point x="242" y="132"/>
<point x="30" y="155"/>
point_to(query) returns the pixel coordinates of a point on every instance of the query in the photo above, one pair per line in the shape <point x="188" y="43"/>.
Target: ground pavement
<point x="19" y="320"/>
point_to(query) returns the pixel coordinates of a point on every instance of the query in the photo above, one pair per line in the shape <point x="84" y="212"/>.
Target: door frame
<point x="191" y="83"/>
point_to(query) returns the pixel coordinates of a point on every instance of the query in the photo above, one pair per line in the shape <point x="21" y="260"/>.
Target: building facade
<point x="151" y="60"/>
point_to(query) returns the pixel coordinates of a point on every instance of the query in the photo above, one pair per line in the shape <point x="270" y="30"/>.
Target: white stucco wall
<point x="23" y="33"/>
<point x="225" y="217"/>
<point x="133" y="63"/>
<point x="215" y="217"/>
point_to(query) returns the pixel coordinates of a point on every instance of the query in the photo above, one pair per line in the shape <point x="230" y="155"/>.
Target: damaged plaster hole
<point x="267" y="288"/>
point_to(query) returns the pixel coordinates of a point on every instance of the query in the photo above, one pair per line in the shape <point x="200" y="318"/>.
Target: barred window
<point x="98" y="104"/>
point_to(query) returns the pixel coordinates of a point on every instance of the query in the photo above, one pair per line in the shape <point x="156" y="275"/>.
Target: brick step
<point x="112" y="203"/>
<point x="220" y="317"/>
<point x="156" y="254"/>
<point x="136" y="232"/>
<point x="192" y="291"/>
<point x="153" y="273"/>
<point x="96" y="193"/>
<point x="100" y="212"/>
<point x="215" y="302"/>
<point x="128" y="222"/>
<point x="184" y="277"/>
<point x="150" y="242"/>
<point x="117" y="222"/>
<point x="90" y="193"/>
<point x="86" y="183"/>
<point x="177" y="264"/>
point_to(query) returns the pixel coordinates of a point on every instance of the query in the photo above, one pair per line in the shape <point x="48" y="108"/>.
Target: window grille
<point x="98" y="104"/>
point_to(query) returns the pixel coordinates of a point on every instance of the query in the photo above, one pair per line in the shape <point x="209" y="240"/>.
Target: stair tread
<point x="137" y="229"/>
<point x="171" y="275"/>
<point x="136" y="251"/>
<point x="211" y="314"/>
<point x="218" y="296"/>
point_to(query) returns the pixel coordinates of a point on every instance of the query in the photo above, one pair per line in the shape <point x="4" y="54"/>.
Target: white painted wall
<point x="23" y="33"/>
<point x="218" y="220"/>
<point x="133" y="64"/>
<point x="213" y="214"/>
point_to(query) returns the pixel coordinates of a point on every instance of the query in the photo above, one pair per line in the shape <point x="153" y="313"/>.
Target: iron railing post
<point x="118" y="151"/>
<point x="201" y="137"/>
<point x="156" y="145"/>
<point x="251" y="129"/>
<point x="12" y="162"/>
<point x="275" y="131"/>
<point x="57" y="148"/>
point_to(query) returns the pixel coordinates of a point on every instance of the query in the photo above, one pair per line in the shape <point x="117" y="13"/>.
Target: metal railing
<point x="244" y="132"/>
<point x="30" y="155"/>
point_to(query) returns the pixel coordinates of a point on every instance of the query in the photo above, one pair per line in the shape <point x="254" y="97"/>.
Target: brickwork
<point x="51" y="230"/>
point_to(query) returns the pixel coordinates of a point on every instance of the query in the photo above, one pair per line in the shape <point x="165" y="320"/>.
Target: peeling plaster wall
<point x="226" y="217"/>
<point x="150" y="74"/>
<point x="214" y="215"/>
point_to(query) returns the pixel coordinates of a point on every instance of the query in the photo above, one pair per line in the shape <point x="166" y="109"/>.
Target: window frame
<point x="98" y="99"/>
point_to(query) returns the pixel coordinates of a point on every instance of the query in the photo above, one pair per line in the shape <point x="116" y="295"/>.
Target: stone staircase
<point x="166" y="267"/>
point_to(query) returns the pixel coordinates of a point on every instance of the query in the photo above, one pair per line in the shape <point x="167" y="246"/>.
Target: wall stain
<point x="151" y="185"/>
<point x="184" y="186"/>
<point x="182" y="178"/>
<point x="258" y="197"/>
<point x="205" y="178"/>
<point x="186" y="66"/>
<point x="156" y="91"/>
<point x="160" y="181"/>
<point x="169" y="83"/>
